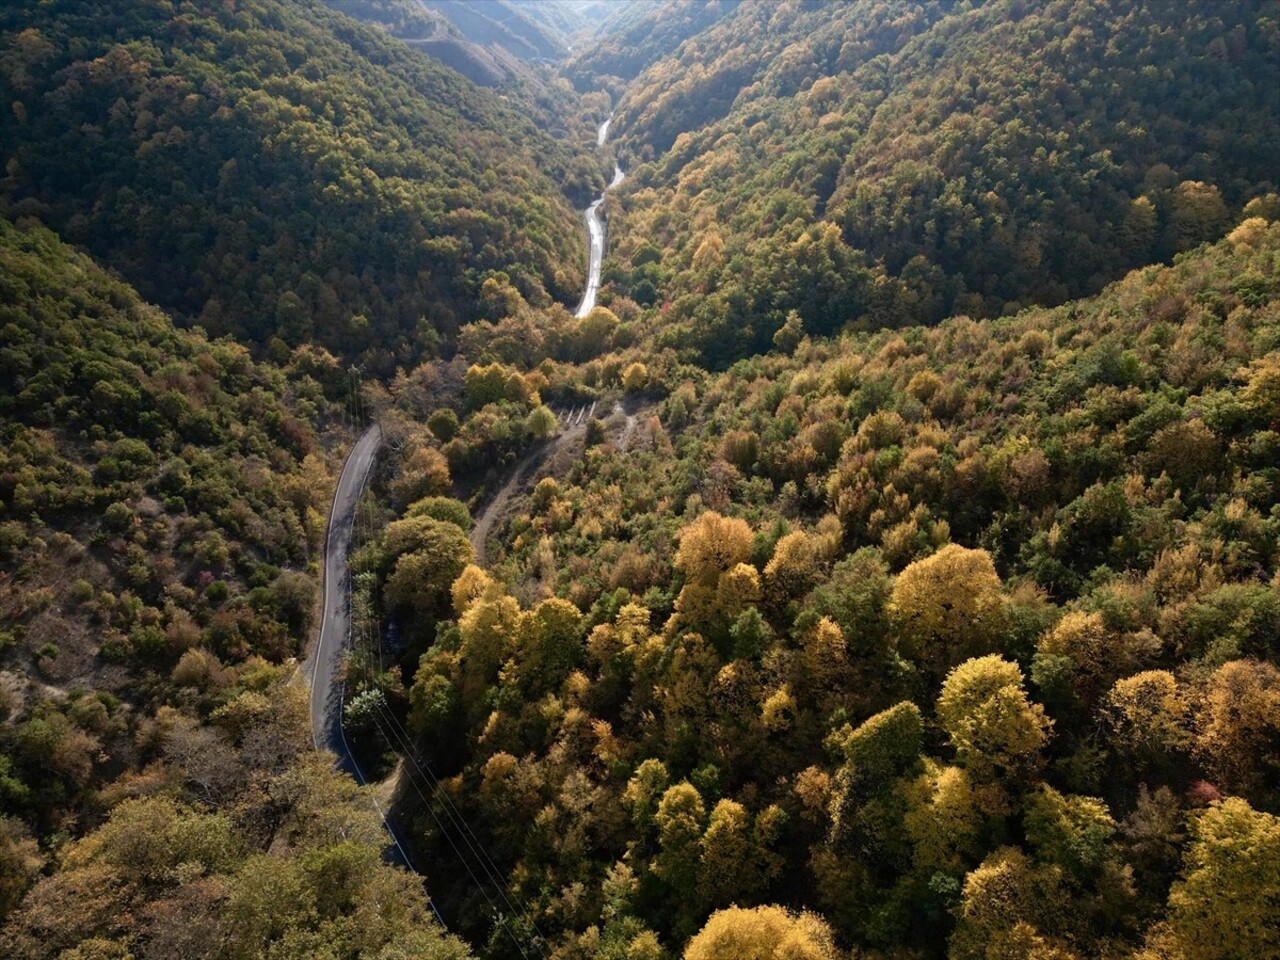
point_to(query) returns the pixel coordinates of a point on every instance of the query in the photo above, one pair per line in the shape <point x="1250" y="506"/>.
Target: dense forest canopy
<point x="950" y="641"/>
<point x="885" y="164"/>
<point x="275" y="170"/>
<point x="886" y="568"/>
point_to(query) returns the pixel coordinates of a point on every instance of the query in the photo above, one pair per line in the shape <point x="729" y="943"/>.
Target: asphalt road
<point x="595" y="233"/>
<point x="325" y="665"/>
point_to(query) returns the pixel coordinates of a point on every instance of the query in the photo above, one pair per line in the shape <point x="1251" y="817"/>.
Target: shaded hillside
<point x="529" y="89"/>
<point x="881" y="164"/>
<point x="638" y="35"/>
<point x="276" y="170"/>
<point x="162" y="501"/>
<point x="528" y="30"/>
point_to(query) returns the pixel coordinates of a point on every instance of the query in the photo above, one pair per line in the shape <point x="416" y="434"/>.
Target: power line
<point x="469" y="839"/>
<point x="367" y="638"/>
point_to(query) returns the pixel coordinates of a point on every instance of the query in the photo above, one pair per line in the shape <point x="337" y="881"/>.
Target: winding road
<point x="325" y="666"/>
<point x="595" y="232"/>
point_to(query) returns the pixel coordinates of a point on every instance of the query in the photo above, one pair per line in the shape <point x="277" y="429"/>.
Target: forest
<point x="277" y="172"/>
<point x="887" y="568"/>
<point x="887" y="164"/>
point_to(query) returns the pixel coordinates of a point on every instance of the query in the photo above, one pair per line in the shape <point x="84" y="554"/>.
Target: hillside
<point x="636" y="35"/>
<point x="430" y="32"/>
<point x="162" y="499"/>
<point x="886" y="566"/>
<point x="276" y="170"/>
<point x="528" y="30"/>
<point x="564" y="118"/>
<point x="924" y="168"/>
<point x="964" y="638"/>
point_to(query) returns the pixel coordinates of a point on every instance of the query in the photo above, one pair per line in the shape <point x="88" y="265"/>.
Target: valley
<point x="640" y="479"/>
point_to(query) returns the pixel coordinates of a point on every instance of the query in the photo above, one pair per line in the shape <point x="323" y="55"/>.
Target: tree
<point x="995" y="730"/>
<point x="797" y="560"/>
<point x="737" y="589"/>
<point x="549" y="645"/>
<point x="542" y="423"/>
<point x="1260" y="395"/>
<point x="1199" y="213"/>
<point x="825" y="655"/>
<point x="1010" y="902"/>
<point x="422" y="578"/>
<point x="635" y="378"/>
<point x="1147" y="715"/>
<point x="443" y="423"/>
<point x="1239" y="725"/>
<point x="762" y="933"/>
<point x="485" y="385"/>
<point x="1081" y="643"/>
<point x="645" y="790"/>
<point x="594" y="333"/>
<point x="1073" y="832"/>
<point x="947" y="608"/>
<point x="472" y="584"/>
<point x="788" y="336"/>
<point x="19" y="862"/>
<point x="711" y="547"/>
<point x="884" y="746"/>
<point x="295" y="598"/>
<point x="681" y="821"/>
<point x="445" y="509"/>
<point x="424" y="473"/>
<point x="726" y="870"/>
<point x="488" y="630"/>
<point x="943" y="820"/>
<point x="883" y="749"/>
<point x="1225" y="905"/>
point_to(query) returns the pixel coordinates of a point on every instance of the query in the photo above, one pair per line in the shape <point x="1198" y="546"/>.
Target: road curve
<point x="595" y="232"/>
<point x="325" y="664"/>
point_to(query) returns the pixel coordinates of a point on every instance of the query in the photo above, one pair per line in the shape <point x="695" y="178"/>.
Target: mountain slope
<point x="929" y="166"/>
<point x="963" y="637"/>
<point x="274" y="169"/>
<point x="636" y="36"/>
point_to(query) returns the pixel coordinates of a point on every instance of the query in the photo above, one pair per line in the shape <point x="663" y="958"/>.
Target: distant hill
<point x="635" y="35"/>
<point x="490" y="42"/>
<point x="276" y="170"/>
<point x="530" y="30"/>
<point x="432" y="33"/>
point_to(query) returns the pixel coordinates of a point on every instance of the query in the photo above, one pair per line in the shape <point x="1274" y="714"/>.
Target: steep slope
<point x="531" y="90"/>
<point x="881" y="164"/>
<point x="430" y="32"/>
<point x="275" y="169"/>
<point x="161" y="501"/>
<point x="525" y="29"/>
<point x="636" y="36"/>
<point x="964" y="637"/>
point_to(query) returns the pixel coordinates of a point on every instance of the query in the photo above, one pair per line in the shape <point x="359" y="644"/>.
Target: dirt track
<point x="497" y="504"/>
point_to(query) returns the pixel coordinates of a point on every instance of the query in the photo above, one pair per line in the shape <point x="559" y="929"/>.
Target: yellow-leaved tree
<point x="762" y="933"/>
<point x="996" y="730"/>
<point x="710" y="547"/>
<point x="1226" y="903"/>
<point x="947" y="608"/>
